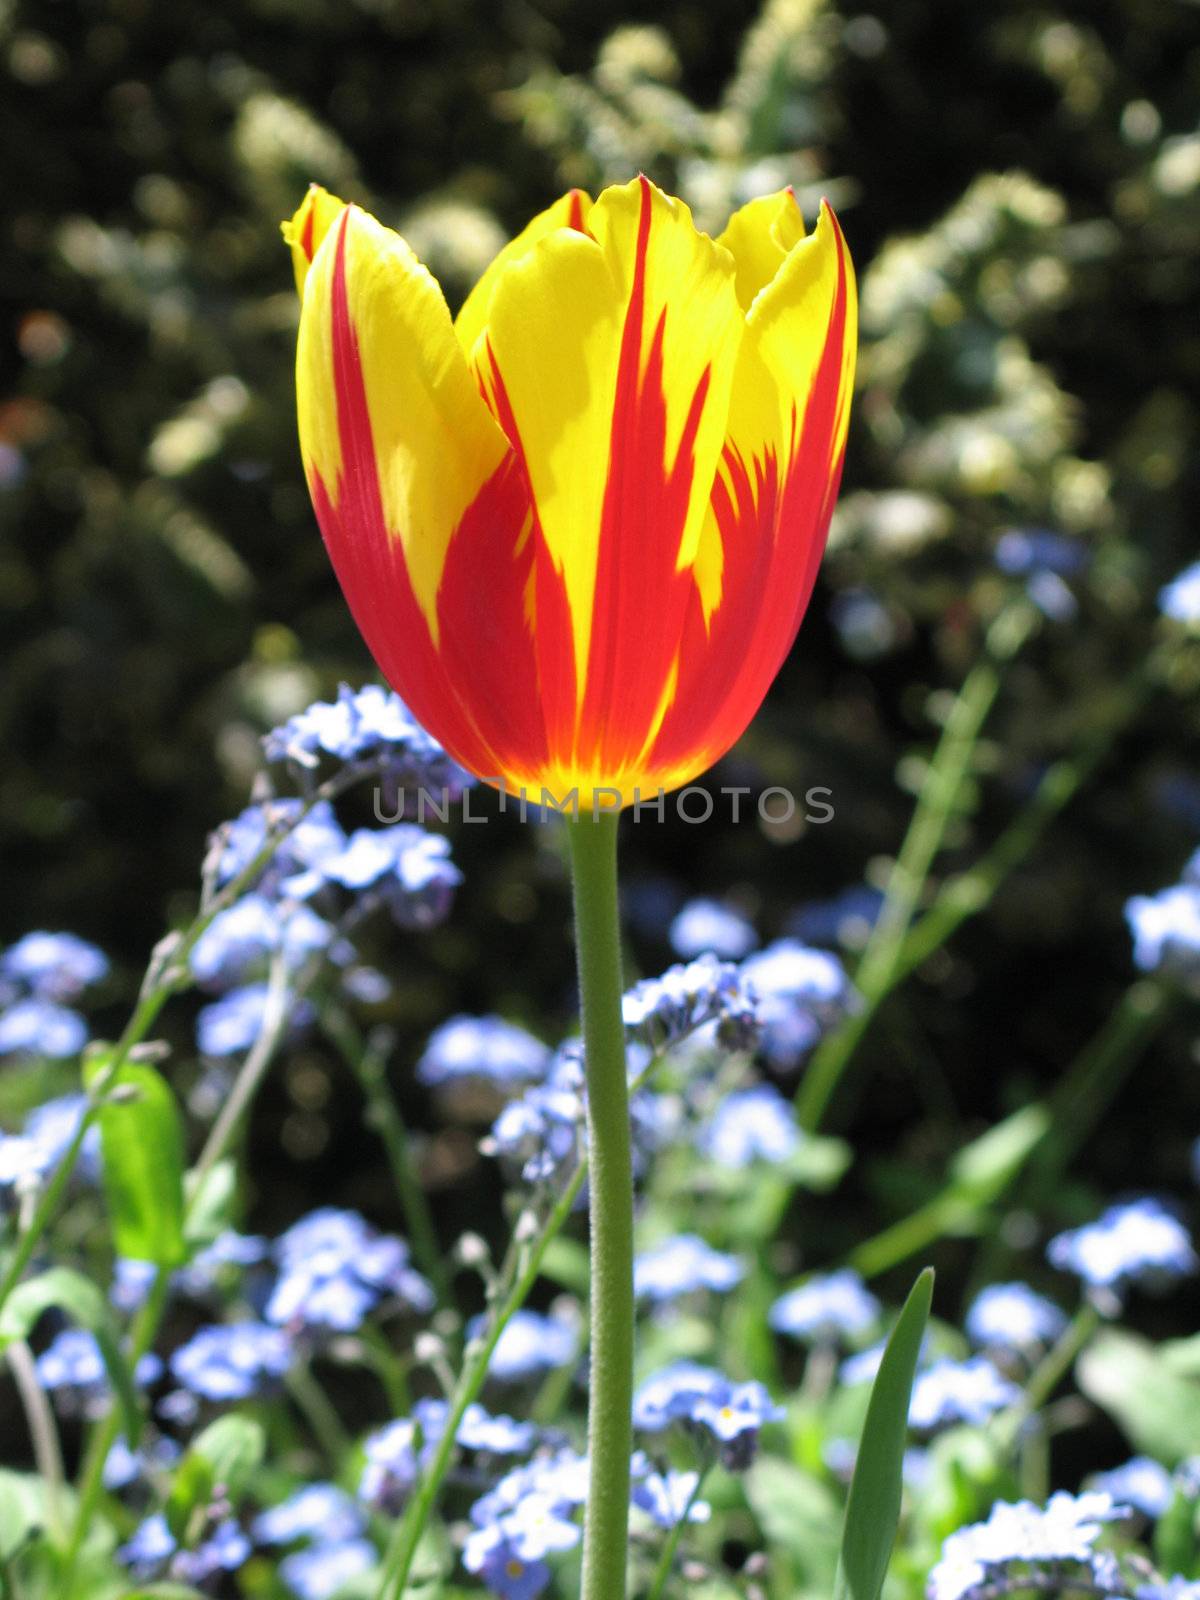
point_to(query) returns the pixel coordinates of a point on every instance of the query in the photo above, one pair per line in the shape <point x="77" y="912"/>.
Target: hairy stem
<point x="610" y="1391"/>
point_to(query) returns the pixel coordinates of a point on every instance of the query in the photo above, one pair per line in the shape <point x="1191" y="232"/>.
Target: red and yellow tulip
<point x="578" y="525"/>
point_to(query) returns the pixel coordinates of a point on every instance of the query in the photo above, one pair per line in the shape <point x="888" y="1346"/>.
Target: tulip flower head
<point x="578" y="525"/>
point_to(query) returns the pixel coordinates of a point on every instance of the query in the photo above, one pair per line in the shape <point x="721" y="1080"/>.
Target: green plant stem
<point x="1094" y="1078"/>
<point x="610" y="1391"/>
<point x="876" y="969"/>
<point x="972" y="892"/>
<point x="667" y="1559"/>
<point x="521" y="1270"/>
<point x="43" y="1432"/>
<point x="388" y="1367"/>
<point x="370" y="1068"/>
<point x="908" y="1236"/>
<point x="166" y="975"/>
<point x="900" y="948"/>
<point x="1073" y="1110"/>
<point x="1056" y="1363"/>
<point x="250" y="1074"/>
<point x="145" y="1328"/>
<point x="146" y="1323"/>
<point x="318" y="1411"/>
<point x="525" y="1269"/>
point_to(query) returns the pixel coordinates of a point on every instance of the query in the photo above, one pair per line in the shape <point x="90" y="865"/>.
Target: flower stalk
<point x="593" y="843"/>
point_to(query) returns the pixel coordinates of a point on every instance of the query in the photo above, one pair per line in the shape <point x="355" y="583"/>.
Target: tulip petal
<point x="406" y="467"/>
<point x="570" y="211"/>
<point x="760" y="237"/>
<point x="305" y="232"/>
<point x="609" y="359"/>
<point x="432" y="443"/>
<point x="771" y="502"/>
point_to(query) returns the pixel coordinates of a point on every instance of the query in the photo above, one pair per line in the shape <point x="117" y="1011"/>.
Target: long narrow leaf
<point x="873" y="1508"/>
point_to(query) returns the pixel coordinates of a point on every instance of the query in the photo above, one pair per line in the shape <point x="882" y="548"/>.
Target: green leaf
<point x="83" y="1302"/>
<point x="60" y="1286"/>
<point x="797" y="1514"/>
<point x="162" y="1591"/>
<point x="141" y="1140"/>
<point x="22" y="1510"/>
<point x="1182" y="1355"/>
<point x="191" y="1489"/>
<point x="985" y="1168"/>
<point x="873" y="1508"/>
<point x="223" y="1456"/>
<point x="1175" y="1535"/>
<point x="1158" y="1409"/>
<point x="566" y="1263"/>
<point x="210" y="1202"/>
<point x="818" y="1162"/>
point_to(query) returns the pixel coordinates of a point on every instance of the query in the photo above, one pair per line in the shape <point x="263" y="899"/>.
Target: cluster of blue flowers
<point x="707" y="993"/>
<point x="326" y="1529"/>
<point x="707" y="927"/>
<point x="778" y="1002"/>
<point x="1139" y="1243"/>
<point x="800" y="994"/>
<point x="1142" y="1483"/>
<point x="320" y="1525"/>
<point x="1014" y="1319"/>
<point x="724" y="1416"/>
<point x="230" y="1361"/>
<point x="1023" y="1541"/>
<point x="323" y="1276"/>
<point x="749" y="1126"/>
<point x="826" y="1309"/>
<point x="318" y="882"/>
<point x="72" y="1368"/>
<point x="335" y="1269"/>
<point x="682" y="1266"/>
<point x="396" y="1454"/>
<point x="959" y="1391"/>
<point x="529" y="1514"/>
<point x="531" y="1344"/>
<point x="483" y="1050"/>
<point x="29" y="1157"/>
<point x="371" y="732"/>
<point x="39" y="976"/>
<point x="153" y="1548"/>
<point x="1166" y="927"/>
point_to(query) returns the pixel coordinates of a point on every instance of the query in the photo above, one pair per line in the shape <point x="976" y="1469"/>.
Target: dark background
<point x="1030" y="357"/>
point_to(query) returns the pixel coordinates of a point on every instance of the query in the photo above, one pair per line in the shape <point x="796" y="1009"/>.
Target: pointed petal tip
<point x="305" y="230"/>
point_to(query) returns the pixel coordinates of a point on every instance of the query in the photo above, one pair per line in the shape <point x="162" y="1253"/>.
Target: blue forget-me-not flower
<point x="1138" y="1242"/>
<point x="829" y="1307"/>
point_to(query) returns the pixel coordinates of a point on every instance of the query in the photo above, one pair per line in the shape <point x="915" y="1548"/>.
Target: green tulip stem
<point x="593" y="841"/>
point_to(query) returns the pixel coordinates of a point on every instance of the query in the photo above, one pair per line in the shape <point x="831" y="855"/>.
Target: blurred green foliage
<point x="1020" y="184"/>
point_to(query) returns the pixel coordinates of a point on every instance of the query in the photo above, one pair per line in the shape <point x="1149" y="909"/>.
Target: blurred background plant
<point x="1021" y="189"/>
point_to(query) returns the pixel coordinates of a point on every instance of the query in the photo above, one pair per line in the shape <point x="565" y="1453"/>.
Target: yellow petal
<point x="571" y="211"/>
<point x="787" y="329"/>
<point x="562" y="315"/>
<point x="807" y="307"/>
<point x="304" y="233"/>
<point x="417" y="422"/>
<point x="759" y="237"/>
